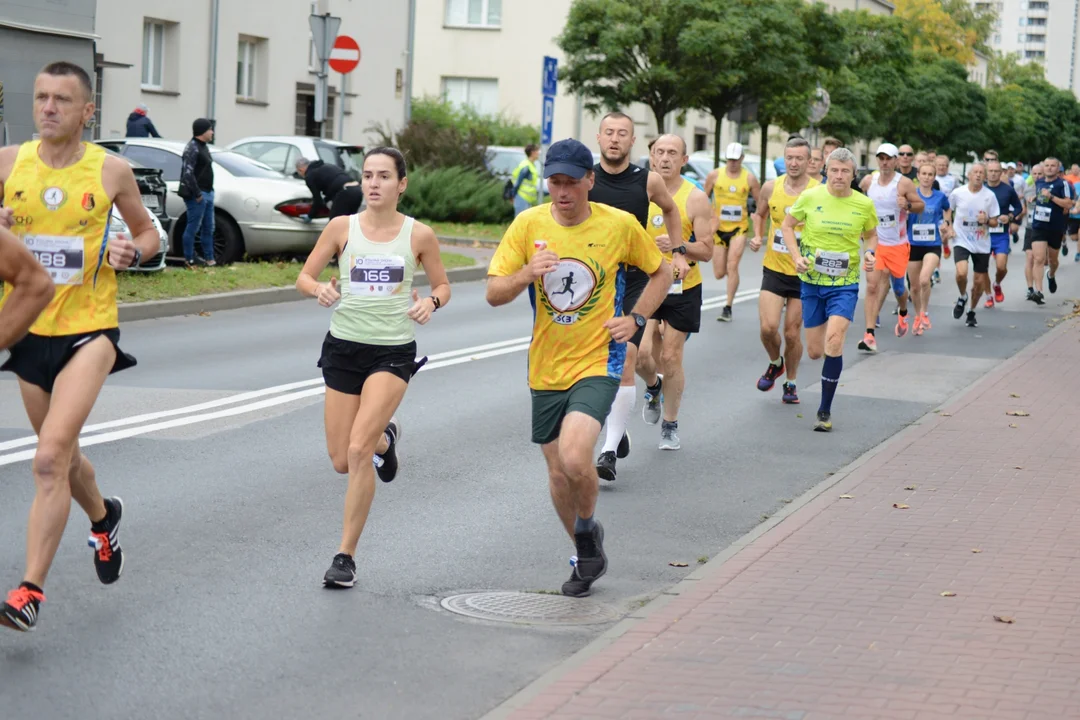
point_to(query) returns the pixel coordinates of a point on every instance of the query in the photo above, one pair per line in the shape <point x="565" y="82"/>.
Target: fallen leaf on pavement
<point x="976" y="550"/>
<point x="1013" y="425"/>
<point x="677" y="564"/>
<point x="203" y="313"/>
<point x="1013" y="395"/>
<point x="900" y="506"/>
<point x="1018" y="413"/>
<point x="1004" y="619"/>
<point x="799" y="415"/>
<point x="946" y="414"/>
<point x="910" y="487"/>
<point x="847" y="497"/>
<point x="948" y="593"/>
<point x="1018" y="467"/>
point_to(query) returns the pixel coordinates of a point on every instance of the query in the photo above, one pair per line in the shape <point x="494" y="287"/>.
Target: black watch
<point x="137" y="260"/>
<point x="680" y="249"/>
<point x="639" y="319"/>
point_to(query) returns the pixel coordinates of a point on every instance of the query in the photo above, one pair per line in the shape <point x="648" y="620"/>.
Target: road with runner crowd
<point x="232" y="510"/>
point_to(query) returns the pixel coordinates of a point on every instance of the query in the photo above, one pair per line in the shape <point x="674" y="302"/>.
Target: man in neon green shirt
<point x="836" y="221"/>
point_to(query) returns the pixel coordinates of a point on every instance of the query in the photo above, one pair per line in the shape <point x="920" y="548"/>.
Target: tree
<point x="940" y="108"/>
<point x="928" y="26"/>
<point x="978" y="18"/>
<point x="1008" y="70"/>
<point x="620" y="52"/>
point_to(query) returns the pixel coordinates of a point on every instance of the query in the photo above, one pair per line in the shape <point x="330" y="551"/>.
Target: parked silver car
<point x="256" y="209"/>
<point x="281" y="152"/>
<point x="149" y="264"/>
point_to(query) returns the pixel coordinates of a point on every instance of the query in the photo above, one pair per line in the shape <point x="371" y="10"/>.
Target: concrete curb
<point x="155" y="309"/>
<point x="716" y="564"/>
<point x="468" y="242"/>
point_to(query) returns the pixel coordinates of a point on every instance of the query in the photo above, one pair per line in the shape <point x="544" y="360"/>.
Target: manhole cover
<point x="530" y="608"/>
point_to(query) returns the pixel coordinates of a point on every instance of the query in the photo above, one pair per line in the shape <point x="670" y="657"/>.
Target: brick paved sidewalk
<point x="837" y="610"/>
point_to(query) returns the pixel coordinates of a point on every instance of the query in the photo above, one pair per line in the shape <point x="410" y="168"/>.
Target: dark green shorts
<point x="592" y="396"/>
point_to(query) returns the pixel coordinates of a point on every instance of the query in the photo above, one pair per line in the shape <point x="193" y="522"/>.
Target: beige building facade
<point x="160" y="53"/>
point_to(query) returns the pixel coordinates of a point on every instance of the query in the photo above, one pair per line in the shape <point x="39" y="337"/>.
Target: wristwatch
<point x="137" y="260"/>
<point x="639" y="319"/>
<point x="680" y="249"/>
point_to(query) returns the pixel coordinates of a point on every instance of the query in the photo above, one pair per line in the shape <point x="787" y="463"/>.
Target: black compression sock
<point x="870" y="331"/>
<point x="31" y="586"/>
<point x="903" y="313"/>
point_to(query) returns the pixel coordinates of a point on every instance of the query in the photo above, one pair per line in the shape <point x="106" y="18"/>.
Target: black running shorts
<point x="346" y="365"/>
<point x="777" y="283"/>
<point x="635" y="280"/>
<point x="979" y="261"/>
<point x="1052" y="238"/>
<point x="1074" y="225"/>
<point x="39" y="359"/>
<point x="681" y="312"/>
<point x="919" y="252"/>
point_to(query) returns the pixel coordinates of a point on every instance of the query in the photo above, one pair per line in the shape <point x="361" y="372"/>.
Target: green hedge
<point x="455" y="194"/>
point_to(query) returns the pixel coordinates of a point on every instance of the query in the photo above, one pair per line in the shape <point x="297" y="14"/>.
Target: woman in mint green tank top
<point x="369" y="355"/>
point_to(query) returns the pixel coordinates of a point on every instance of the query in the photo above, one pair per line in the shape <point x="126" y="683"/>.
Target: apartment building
<point x="259" y="75"/>
<point x="1040" y="31"/>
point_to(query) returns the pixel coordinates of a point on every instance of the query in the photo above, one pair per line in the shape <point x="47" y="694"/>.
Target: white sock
<point x="620" y="413"/>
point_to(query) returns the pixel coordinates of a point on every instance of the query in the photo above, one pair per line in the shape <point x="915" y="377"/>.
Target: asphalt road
<point x="233" y="510"/>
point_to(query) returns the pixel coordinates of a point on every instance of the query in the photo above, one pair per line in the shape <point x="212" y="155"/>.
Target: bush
<point x="455" y="194"/>
<point x="498" y="130"/>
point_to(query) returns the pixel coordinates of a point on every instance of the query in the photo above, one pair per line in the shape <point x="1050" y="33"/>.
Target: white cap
<point x="887" y="149"/>
<point x="1010" y="165"/>
<point x="734" y="151"/>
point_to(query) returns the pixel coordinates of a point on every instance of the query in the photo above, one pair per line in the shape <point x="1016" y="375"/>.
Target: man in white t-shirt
<point x="975" y="211"/>
<point x="946" y="181"/>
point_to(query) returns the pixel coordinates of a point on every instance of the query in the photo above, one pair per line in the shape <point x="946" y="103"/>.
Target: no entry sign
<point x="345" y="55"/>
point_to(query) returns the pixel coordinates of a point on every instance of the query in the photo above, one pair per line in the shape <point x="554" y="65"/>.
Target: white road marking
<point x="289" y="392"/>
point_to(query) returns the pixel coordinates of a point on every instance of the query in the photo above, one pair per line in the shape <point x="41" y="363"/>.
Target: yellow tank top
<point x="62" y="215"/>
<point x="656" y="228"/>
<point x="729" y="200"/>
<point x="777" y="257"/>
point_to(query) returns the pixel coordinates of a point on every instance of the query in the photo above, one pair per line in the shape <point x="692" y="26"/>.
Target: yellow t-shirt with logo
<point x="777" y="257"/>
<point x="572" y="303"/>
<point x="656" y="228"/>
<point x="62" y="215"/>
<point x="729" y="200"/>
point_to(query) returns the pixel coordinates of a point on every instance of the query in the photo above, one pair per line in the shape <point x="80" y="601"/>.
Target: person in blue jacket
<point x="139" y="123"/>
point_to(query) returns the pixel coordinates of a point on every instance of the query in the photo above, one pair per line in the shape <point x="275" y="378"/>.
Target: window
<point x="997" y="39"/>
<point x="240" y="166"/>
<point x="1023" y="21"/>
<point x="700" y="142"/>
<point x="1038" y="5"/>
<point x="474" y="13"/>
<point x="153" y="58"/>
<point x="245" y="70"/>
<point x="1036" y="38"/>
<point x="480" y="95"/>
<point x="1040" y="22"/>
<point x="167" y="162"/>
<point x="1035" y="54"/>
<point x="279" y="156"/>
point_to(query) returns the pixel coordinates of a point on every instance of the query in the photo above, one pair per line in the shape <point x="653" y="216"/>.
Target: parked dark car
<point x="152" y="186"/>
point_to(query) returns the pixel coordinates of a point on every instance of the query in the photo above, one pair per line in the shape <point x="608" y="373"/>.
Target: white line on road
<point x="303" y="389"/>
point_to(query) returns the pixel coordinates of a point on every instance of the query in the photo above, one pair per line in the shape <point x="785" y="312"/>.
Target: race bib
<point x="833" y="264"/>
<point x="676" y="288"/>
<point x="1042" y="213"/>
<point x="887" y="220"/>
<point x="923" y="233"/>
<point x="998" y="230"/>
<point x="970" y="224"/>
<point x="731" y="213"/>
<point x="62" y="256"/>
<point x="778" y="243"/>
<point x="376" y="275"/>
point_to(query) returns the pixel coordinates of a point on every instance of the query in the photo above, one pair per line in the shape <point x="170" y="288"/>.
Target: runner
<point x="1011" y="209"/>
<point x="827" y="146"/>
<point x="1053" y="198"/>
<point x="894" y="197"/>
<point x="924" y="230"/>
<point x="1029" y="205"/>
<point x="627" y="187"/>
<point x="946" y="182"/>
<point x="781" y="289"/>
<point x="730" y="188"/>
<point x="906" y="163"/>
<point x="1074" y="217"/>
<point x="61" y="192"/>
<point x="817" y="164"/>
<point x="29" y="287"/>
<point x="577" y="350"/>
<point x="975" y="211"/>
<point x="369" y="353"/>
<point x="1018" y="184"/>
<point x="827" y="260"/>
<point x="680" y="312"/>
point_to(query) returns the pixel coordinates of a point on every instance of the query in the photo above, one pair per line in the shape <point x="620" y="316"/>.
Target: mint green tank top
<point x="376" y="288"/>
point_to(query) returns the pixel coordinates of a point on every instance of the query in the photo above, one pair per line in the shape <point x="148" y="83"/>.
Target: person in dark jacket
<point x="329" y="185"/>
<point x="140" y="125"/>
<point x="197" y="190"/>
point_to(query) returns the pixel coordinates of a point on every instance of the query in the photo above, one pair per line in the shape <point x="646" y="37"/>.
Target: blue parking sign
<point x="551" y="76"/>
<point x="549" y="118"/>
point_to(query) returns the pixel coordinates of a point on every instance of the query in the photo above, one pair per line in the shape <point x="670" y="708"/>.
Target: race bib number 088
<point x="61" y="256"/>
<point x="376" y="275"/>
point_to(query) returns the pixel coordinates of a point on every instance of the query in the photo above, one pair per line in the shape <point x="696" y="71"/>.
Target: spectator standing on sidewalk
<point x="139" y="123"/>
<point x="331" y="185"/>
<point x="197" y="190"/>
<point x="526" y="179"/>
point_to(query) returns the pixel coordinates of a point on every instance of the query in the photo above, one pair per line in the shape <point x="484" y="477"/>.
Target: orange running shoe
<point x="999" y="296"/>
<point x="901" y="326"/>
<point x="989" y="302"/>
<point x="926" y="321"/>
<point x="868" y="343"/>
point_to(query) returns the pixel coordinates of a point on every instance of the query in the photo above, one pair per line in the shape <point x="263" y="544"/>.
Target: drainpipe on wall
<point x="211" y="104"/>
<point x="410" y="43"/>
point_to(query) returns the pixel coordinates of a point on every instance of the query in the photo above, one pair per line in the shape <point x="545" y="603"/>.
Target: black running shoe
<point x="1051" y="282"/>
<point x="624" y="446"/>
<point x="1064" y="251"/>
<point x="971" y="321"/>
<point x="1039" y="298"/>
<point x="342" y="572"/>
<point x="20" y="612"/>
<point x="386" y="464"/>
<point x="725" y="314"/>
<point x="105" y="540"/>
<point x="591" y="563"/>
<point x="605" y="466"/>
<point x="1030" y="295"/>
<point x="958" y="308"/>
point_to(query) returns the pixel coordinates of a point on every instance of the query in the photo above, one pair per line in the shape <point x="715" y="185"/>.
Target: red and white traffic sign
<point x="345" y="55"/>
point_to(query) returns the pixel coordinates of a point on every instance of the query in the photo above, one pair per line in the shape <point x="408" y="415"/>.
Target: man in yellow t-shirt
<point x="681" y="310"/>
<point x="570" y="255"/>
<point x="781" y="288"/>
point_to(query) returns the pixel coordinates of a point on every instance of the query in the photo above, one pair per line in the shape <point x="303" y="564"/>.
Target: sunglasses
<point x="904" y="154"/>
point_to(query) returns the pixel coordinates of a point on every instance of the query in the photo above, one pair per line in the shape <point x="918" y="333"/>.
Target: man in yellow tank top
<point x="61" y="191"/>
<point x="680" y="312"/>
<point x="781" y="289"/>
<point x="730" y="188"/>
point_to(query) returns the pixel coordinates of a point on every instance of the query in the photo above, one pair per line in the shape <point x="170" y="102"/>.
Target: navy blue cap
<point x="568" y="157"/>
